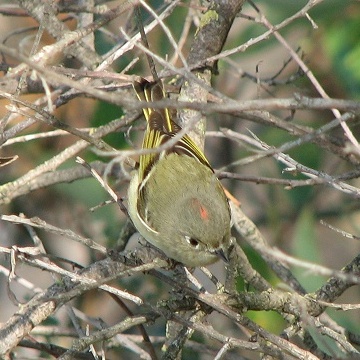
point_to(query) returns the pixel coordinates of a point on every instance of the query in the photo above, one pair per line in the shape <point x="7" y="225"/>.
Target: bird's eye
<point x="193" y="242"/>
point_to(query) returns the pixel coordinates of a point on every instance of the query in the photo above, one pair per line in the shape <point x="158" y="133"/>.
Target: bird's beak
<point x="221" y="254"/>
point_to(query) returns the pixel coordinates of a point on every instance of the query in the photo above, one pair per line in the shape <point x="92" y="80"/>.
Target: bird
<point x="175" y="200"/>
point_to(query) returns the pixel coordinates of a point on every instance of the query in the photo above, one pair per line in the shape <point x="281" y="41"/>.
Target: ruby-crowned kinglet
<point x="174" y="199"/>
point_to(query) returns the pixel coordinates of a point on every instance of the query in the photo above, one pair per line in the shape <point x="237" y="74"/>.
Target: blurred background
<point x="288" y="218"/>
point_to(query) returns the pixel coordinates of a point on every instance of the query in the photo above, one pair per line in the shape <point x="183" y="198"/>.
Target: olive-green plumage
<point x="175" y="200"/>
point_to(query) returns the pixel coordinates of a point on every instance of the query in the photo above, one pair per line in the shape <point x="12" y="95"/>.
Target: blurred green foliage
<point x="342" y="44"/>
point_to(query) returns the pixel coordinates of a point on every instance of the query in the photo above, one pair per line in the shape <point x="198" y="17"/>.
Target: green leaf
<point x="305" y="248"/>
